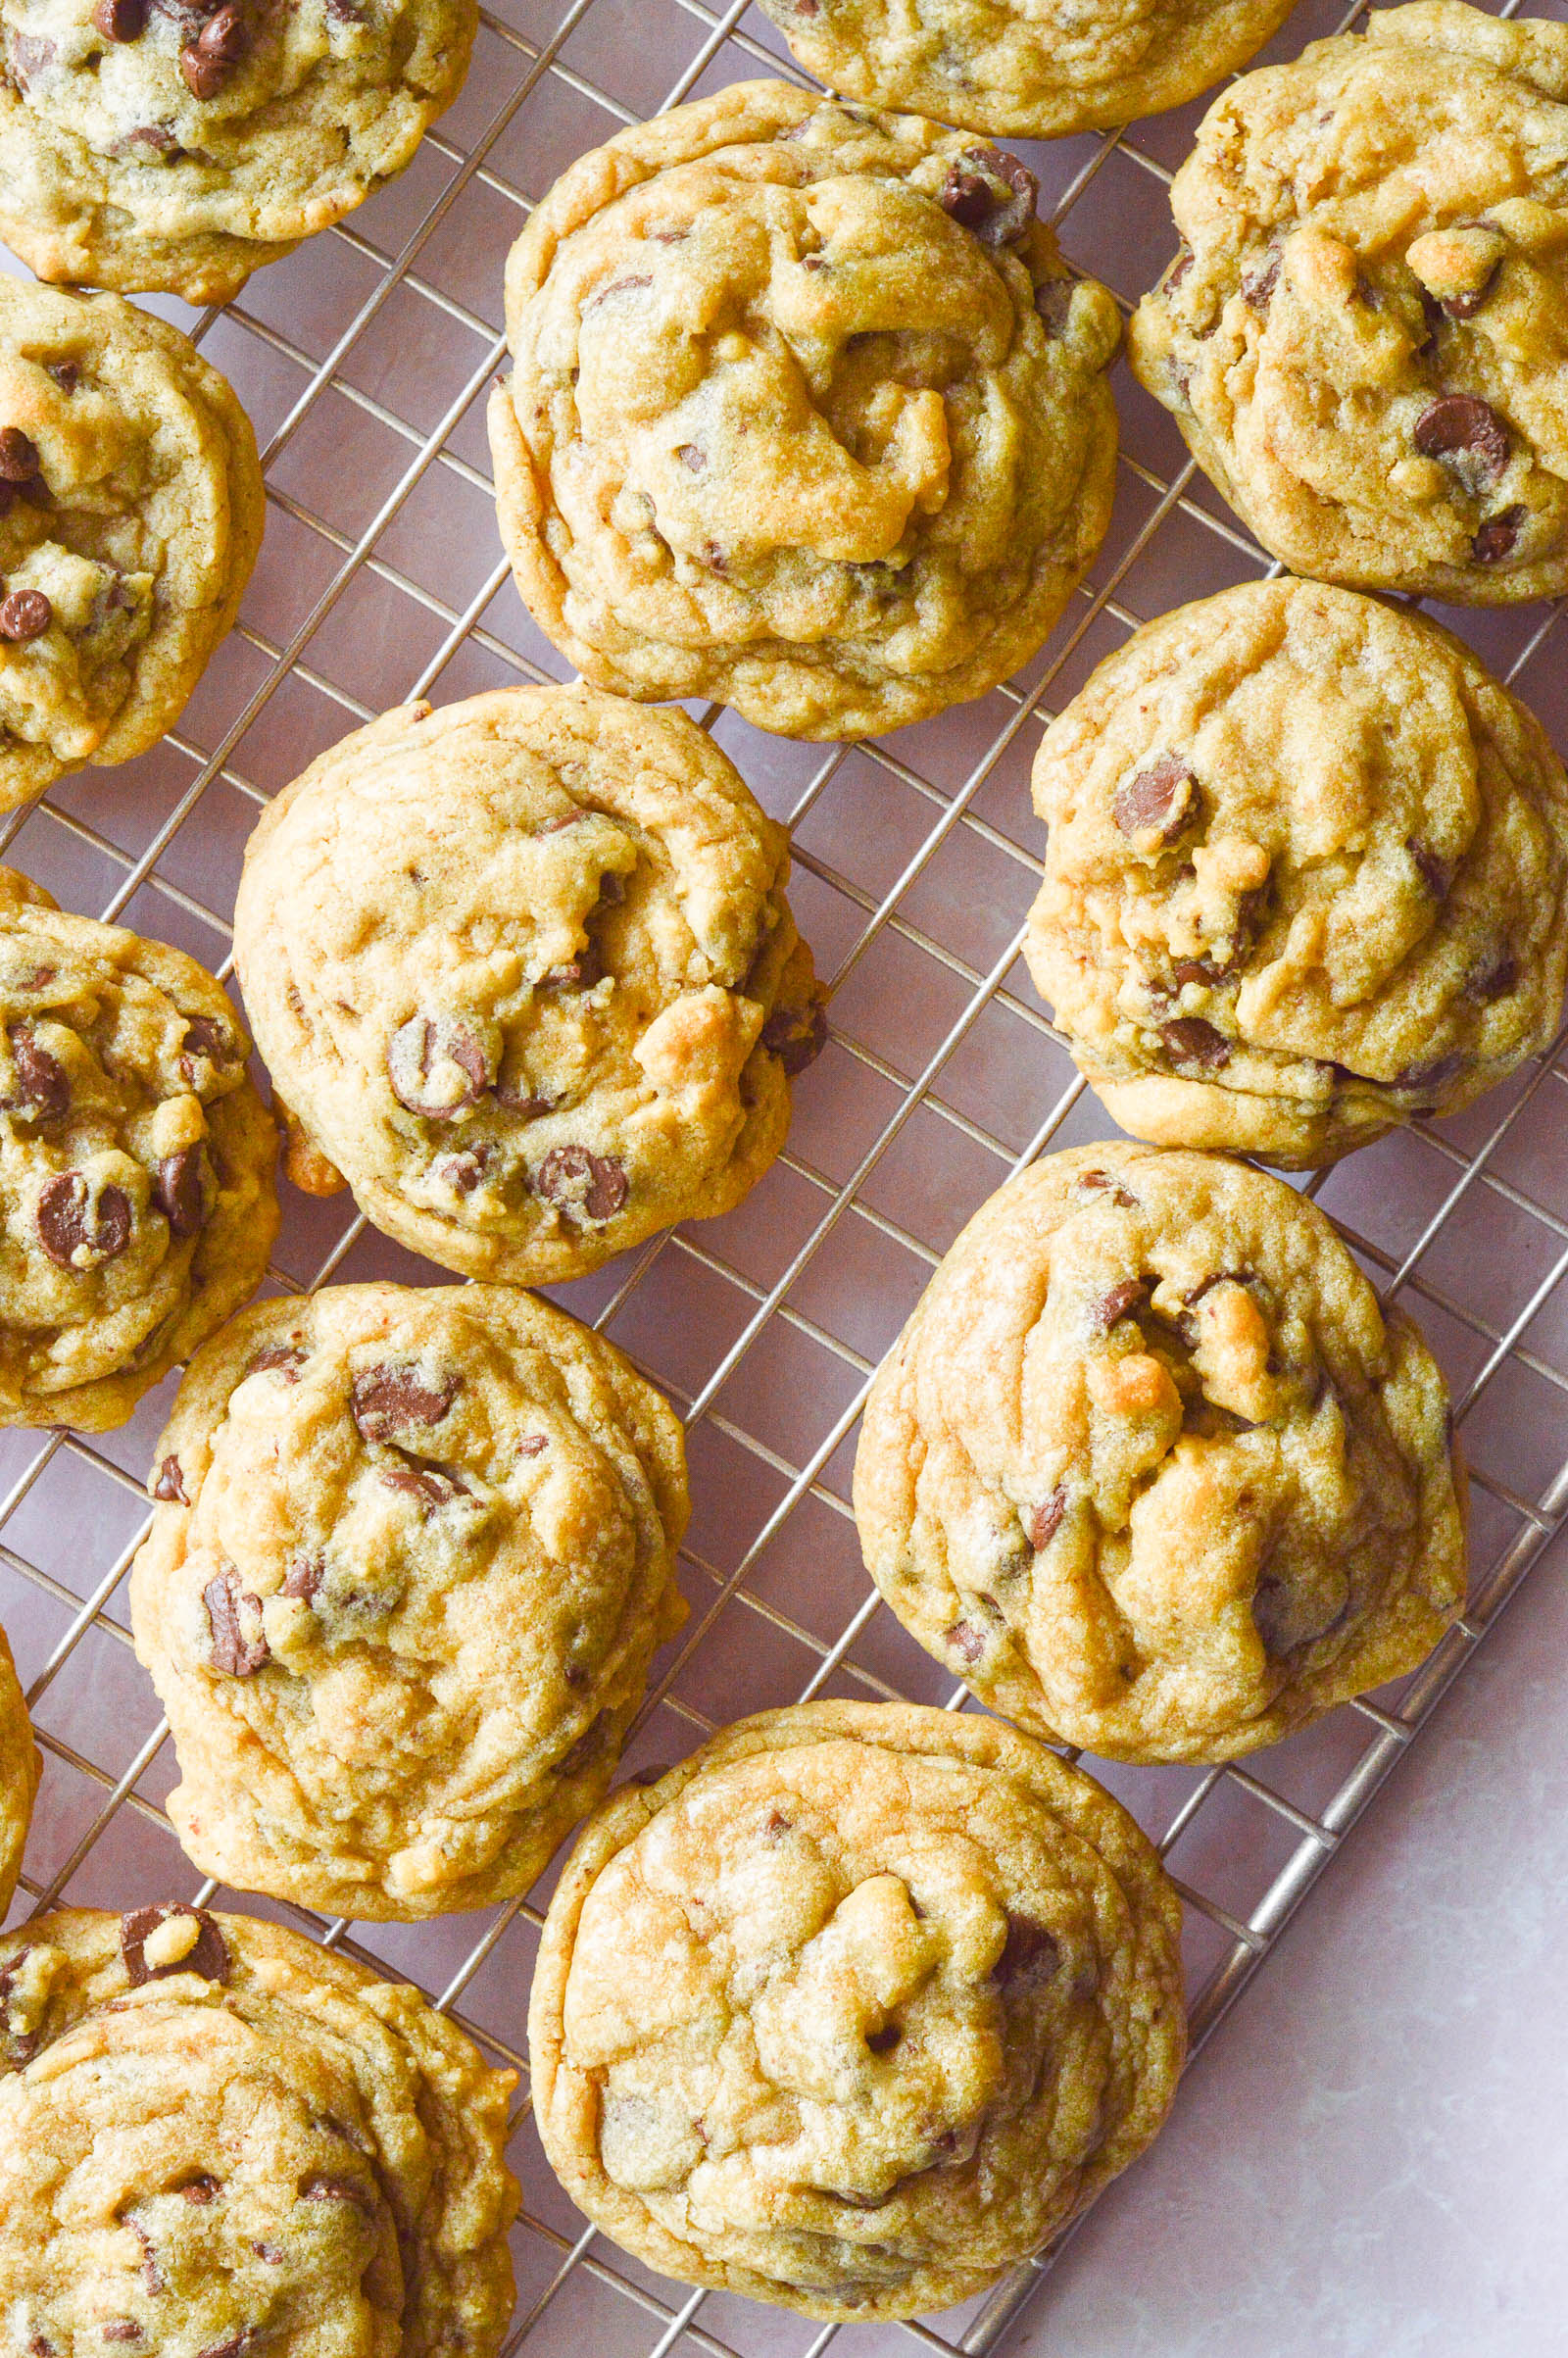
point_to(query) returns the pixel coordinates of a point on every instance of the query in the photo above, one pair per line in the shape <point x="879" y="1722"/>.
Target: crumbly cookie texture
<point x="1362" y="336"/>
<point x="412" y="1555"/>
<point x="1032" y="68"/>
<point x="18" y="1774"/>
<point x="1150" y="1469"/>
<point x="175" y="145"/>
<point x="216" y="2137"/>
<point x="1305" y="874"/>
<point x="806" y="415"/>
<point x="854" y="2008"/>
<point x="524" y="973"/>
<point x="130" y="516"/>
<point x="137" y="1205"/>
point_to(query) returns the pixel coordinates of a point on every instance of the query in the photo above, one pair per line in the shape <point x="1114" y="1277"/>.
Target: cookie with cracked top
<point x="854" y="2008"/>
<point x="412" y="1552"/>
<point x="130" y="516"/>
<point x="18" y="1774"/>
<point x="136" y="1163"/>
<point x="175" y="145"/>
<point x="806" y="413"/>
<point x="1027" y="69"/>
<point x="524" y="974"/>
<point x="1362" y="337"/>
<point x="1307" y="875"/>
<point x="252" y="2143"/>
<point x="1149" y="1468"/>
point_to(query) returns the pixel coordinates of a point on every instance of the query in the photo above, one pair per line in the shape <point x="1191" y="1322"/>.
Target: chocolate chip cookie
<point x="523" y="970"/>
<point x="130" y="516"/>
<point x="1033" y="69"/>
<point x="1304" y="878"/>
<point x="1363" y="337"/>
<point x="1151" y="1470"/>
<point x="178" y="144"/>
<point x="854" y="2008"/>
<point x="218" y="2138"/>
<point x="136" y="1192"/>
<point x="19" y="1774"/>
<point x="413" y="1553"/>
<point x="806" y="413"/>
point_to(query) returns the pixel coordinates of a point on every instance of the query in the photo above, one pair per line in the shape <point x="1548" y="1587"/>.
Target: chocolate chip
<point x="463" y="1172"/>
<point x="121" y="2329"/>
<point x="1465" y="307"/>
<point x="532" y="1445"/>
<point x="1436" y="873"/>
<point x="1496" y="980"/>
<point x="322" y="2188"/>
<point x="1434" y="1075"/>
<point x="1045" y="1520"/>
<point x="281" y="1359"/>
<point x="690" y="457"/>
<point x="1113" y="1306"/>
<point x="19" y="456"/>
<point x="579" y="973"/>
<point x="990" y="193"/>
<point x="1258" y="286"/>
<point x="395" y="1398"/>
<point x="1096" y="1181"/>
<point x="1457" y="425"/>
<point x="1178" y="270"/>
<point x="236" y="1652"/>
<point x="120" y="20"/>
<point x="883" y="2041"/>
<point x="430" y="1484"/>
<point x="206" y="62"/>
<point x="965" y="1641"/>
<point x="271" y="2253"/>
<point x="77" y="1231"/>
<point x="581" y="1184"/>
<point x="1498" y="535"/>
<point x="207" y="1955"/>
<point x="204" y="1040"/>
<point x="179" y="1192"/>
<point x="26" y="614"/>
<point x="1192" y="1040"/>
<point x="202" y="2189"/>
<point x="1030" y="1955"/>
<point x="151" y="2275"/>
<point x="796" y="1036"/>
<point x="65" y="373"/>
<point x="304" y="1578"/>
<point x="776" y="1824"/>
<point x="1053" y="303"/>
<point x="426" y="1057"/>
<point x="1201" y="970"/>
<point x="42" y="1090"/>
<point x="171" y="1482"/>
<point x="1153" y="802"/>
<point x="238" y="2344"/>
<point x="629" y="286"/>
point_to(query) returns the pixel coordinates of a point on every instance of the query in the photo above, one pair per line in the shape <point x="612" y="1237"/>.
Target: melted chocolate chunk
<point x="1497" y="536"/>
<point x="1152" y="801"/>
<point x="1192" y="1040"/>
<point x="1095" y="1181"/>
<point x="796" y="1036"/>
<point x="208" y="1956"/>
<point x="324" y="2188"/>
<point x="304" y="1578"/>
<point x="992" y="194"/>
<point x="1053" y="304"/>
<point x="1436" y="873"/>
<point x="883" y="2041"/>
<point x="179" y="1192"/>
<point x="120" y="20"/>
<point x="420" y="1062"/>
<point x="532" y="1445"/>
<point x="201" y="2190"/>
<point x="77" y="1231"/>
<point x="1258" y="286"/>
<point x="43" y="1092"/>
<point x="1029" y="1956"/>
<point x="209" y="61"/>
<point x="1499" y="979"/>
<point x="1465" y="307"/>
<point x="169" y="1482"/>
<point x="1045" y="1520"/>
<point x="19" y="462"/>
<point x="965" y="1641"/>
<point x="26" y="614"/>
<point x="395" y="1398"/>
<point x="205" y="1040"/>
<point x="1115" y="1305"/>
<point x="1458" y="426"/>
<point x="1434" y="1075"/>
<point x="581" y="1184"/>
<point x="431" y="1485"/>
<point x="693" y="459"/>
<point x="233" y="1615"/>
<point x="282" y="1358"/>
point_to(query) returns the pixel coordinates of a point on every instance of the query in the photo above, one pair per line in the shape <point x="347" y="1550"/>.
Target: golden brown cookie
<point x="854" y="2008"/>
<point x="1363" y="337"/>
<point x="807" y="415"/>
<point x="130" y="516"/>
<point x="175" y="144"/>
<point x="19" y="1774"/>
<point x="1030" y="68"/>
<point x="137" y="1204"/>
<point x="413" y="1553"/>
<point x="1151" y="1470"/>
<point x="524" y="972"/>
<point x="1306" y="874"/>
<point x="216" y="2137"/>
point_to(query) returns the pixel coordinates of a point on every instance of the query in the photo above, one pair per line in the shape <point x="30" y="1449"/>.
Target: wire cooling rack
<point x="365" y="360"/>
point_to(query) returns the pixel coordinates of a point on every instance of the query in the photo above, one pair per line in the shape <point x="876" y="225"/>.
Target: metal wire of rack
<point x="915" y="860"/>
